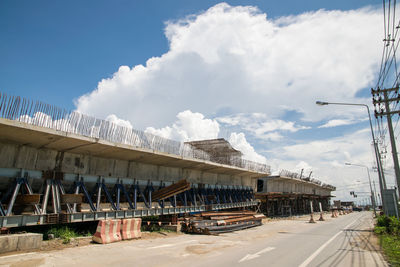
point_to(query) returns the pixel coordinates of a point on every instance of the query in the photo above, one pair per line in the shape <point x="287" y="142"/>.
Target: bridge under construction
<point x="61" y="167"/>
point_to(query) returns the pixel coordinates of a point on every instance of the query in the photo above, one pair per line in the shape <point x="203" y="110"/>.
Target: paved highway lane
<point x="346" y="241"/>
<point x="352" y="246"/>
<point x="343" y="241"/>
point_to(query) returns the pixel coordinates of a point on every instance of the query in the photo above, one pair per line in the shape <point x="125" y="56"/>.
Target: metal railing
<point x="49" y="116"/>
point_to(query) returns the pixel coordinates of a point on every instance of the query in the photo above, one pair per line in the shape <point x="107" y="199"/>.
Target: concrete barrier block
<point x="130" y="228"/>
<point x="29" y="241"/>
<point x="8" y="243"/>
<point x="21" y="242"/>
<point x="108" y="231"/>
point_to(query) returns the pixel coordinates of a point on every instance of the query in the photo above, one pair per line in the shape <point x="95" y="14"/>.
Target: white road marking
<point x="256" y="255"/>
<point x="171" y="245"/>
<point x="17" y="255"/>
<point x="162" y="246"/>
<point x="315" y="254"/>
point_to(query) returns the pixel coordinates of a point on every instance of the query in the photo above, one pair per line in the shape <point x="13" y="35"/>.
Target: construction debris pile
<point x="222" y="221"/>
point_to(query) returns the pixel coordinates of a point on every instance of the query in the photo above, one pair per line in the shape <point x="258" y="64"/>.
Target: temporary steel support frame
<point x="56" y="187"/>
<point x="201" y="199"/>
<point x="18" y="183"/>
<point x="38" y="219"/>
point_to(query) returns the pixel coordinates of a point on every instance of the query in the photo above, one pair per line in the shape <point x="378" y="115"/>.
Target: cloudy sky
<point x="247" y="71"/>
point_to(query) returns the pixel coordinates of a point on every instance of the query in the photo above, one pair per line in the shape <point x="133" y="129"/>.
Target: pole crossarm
<point x="380" y="100"/>
<point x="377" y="91"/>
<point x="383" y="113"/>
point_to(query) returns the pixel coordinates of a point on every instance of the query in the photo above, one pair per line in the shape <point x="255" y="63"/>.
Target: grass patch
<point x="388" y="229"/>
<point x="65" y="233"/>
<point x="155" y="228"/>
<point x="391" y="247"/>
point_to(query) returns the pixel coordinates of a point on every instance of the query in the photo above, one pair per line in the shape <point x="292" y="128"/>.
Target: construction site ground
<point x="344" y="241"/>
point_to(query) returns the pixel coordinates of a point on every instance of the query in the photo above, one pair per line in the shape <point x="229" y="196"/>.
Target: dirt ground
<point x="57" y="244"/>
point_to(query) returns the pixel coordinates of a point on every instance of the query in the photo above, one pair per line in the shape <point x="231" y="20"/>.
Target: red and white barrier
<point x="108" y="231"/>
<point x="131" y="228"/>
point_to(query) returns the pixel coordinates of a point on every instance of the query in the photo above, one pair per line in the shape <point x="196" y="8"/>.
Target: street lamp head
<point x="347" y="163"/>
<point x="321" y="103"/>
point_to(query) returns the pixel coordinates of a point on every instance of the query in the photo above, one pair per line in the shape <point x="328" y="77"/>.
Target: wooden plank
<point x="71" y="198"/>
<point x="31" y="199"/>
<point x="174" y="189"/>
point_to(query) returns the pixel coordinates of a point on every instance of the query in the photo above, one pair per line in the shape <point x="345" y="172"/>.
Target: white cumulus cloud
<point x="114" y="119"/>
<point x="239" y="142"/>
<point x="189" y="126"/>
<point x="326" y="158"/>
<point x="261" y="125"/>
<point x="335" y="123"/>
<point x="236" y="58"/>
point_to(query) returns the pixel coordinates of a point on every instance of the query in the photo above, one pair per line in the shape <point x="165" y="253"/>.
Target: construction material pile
<point x="169" y="191"/>
<point x="222" y="221"/>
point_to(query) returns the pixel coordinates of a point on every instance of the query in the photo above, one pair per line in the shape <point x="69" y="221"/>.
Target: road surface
<point x="343" y="241"/>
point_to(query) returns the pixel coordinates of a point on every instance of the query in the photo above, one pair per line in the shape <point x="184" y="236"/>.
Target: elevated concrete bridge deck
<point x="19" y="133"/>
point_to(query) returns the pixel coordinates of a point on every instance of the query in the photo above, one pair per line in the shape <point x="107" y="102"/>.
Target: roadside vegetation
<point x="388" y="230"/>
<point x="64" y="232"/>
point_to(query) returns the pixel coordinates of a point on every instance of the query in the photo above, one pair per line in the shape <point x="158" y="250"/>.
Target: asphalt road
<point x="346" y="241"/>
<point x="343" y="241"/>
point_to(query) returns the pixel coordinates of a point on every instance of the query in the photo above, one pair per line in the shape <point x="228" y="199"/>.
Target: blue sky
<point x="58" y="51"/>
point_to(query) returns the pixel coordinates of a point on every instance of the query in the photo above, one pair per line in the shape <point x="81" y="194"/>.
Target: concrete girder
<point x="38" y="137"/>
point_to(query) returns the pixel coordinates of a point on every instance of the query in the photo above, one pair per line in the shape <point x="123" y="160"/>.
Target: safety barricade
<point x="130" y="228"/>
<point x="108" y="231"/>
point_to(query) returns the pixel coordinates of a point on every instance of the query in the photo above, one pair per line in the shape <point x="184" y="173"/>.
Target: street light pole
<point x="381" y="175"/>
<point x="370" y="185"/>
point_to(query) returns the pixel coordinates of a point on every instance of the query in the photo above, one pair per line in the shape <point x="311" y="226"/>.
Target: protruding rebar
<point x="44" y="115"/>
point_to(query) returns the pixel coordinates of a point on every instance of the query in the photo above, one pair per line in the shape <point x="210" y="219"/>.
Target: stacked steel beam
<point x="169" y="191"/>
<point x="222" y="222"/>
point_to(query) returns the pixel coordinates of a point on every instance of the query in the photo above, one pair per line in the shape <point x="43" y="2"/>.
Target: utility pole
<point x="377" y="99"/>
<point x="375" y="195"/>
